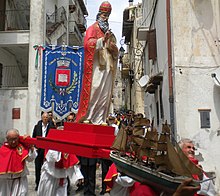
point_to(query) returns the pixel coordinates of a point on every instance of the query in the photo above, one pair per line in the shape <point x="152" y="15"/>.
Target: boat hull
<point x="144" y="174"/>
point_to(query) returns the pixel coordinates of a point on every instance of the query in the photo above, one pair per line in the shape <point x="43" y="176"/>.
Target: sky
<point x="116" y="17"/>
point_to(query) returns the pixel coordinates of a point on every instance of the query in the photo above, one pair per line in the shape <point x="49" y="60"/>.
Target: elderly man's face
<point x="189" y="150"/>
<point x="13" y="139"/>
<point x="45" y="118"/>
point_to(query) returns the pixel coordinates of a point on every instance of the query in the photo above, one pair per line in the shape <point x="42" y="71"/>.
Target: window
<point x="205" y="118"/>
<point x="161" y="104"/>
<point x="14" y="66"/>
<point x="2" y="15"/>
<point x="15" y="76"/>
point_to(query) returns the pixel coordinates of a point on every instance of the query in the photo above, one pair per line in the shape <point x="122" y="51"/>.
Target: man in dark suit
<point x="41" y="129"/>
<point x="88" y="169"/>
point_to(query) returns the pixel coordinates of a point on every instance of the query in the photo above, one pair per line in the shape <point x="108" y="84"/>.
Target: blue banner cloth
<point x="62" y="70"/>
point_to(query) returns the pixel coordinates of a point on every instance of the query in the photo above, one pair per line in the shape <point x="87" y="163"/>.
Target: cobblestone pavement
<point x="31" y="182"/>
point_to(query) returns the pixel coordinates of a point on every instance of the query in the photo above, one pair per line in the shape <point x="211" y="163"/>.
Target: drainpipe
<point x="1" y="75"/>
<point x="170" y="71"/>
<point x="67" y="26"/>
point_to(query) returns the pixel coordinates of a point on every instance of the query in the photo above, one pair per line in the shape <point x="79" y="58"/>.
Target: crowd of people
<point x="55" y="171"/>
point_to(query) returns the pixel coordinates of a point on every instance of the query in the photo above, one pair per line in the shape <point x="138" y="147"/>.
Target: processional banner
<point x="62" y="70"/>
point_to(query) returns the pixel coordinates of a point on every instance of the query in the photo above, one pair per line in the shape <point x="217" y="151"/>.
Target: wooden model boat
<point x="149" y="157"/>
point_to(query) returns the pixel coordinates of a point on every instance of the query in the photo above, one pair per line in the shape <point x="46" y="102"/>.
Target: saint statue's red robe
<point x="92" y="34"/>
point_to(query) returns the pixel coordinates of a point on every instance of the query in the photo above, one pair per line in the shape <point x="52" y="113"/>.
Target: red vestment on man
<point x="110" y="177"/>
<point x="67" y="161"/>
<point x="12" y="159"/>
<point x="136" y="189"/>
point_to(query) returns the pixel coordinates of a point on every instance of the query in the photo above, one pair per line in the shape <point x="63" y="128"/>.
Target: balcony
<point x="79" y="12"/>
<point x="75" y="35"/>
<point x="153" y="83"/>
<point x="54" y="20"/>
<point x="13" y="20"/>
<point x="128" y="23"/>
<point x="81" y="23"/>
<point x="125" y="66"/>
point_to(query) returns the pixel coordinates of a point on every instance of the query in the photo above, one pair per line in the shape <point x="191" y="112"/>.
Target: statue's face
<point x="104" y="16"/>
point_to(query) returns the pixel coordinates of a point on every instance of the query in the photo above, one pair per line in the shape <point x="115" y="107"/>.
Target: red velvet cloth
<point x="92" y="34"/>
<point x="12" y="159"/>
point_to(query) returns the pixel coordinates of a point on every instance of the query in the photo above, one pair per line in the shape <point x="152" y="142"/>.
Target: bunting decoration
<point x="62" y="70"/>
<point x="39" y="50"/>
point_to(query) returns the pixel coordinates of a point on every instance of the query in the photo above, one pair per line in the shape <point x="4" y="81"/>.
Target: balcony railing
<point x="12" y="76"/>
<point x="11" y="20"/>
<point x="55" y="19"/>
<point x="125" y="66"/>
<point x="81" y="23"/>
<point x="73" y="28"/>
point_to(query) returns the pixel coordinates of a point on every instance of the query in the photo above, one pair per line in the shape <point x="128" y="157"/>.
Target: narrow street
<point x="31" y="182"/>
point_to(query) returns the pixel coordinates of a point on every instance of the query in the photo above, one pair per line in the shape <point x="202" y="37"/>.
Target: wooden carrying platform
<point x="87" y="140"/>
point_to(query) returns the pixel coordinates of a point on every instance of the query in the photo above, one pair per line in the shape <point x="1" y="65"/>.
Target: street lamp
<point x="121" y="54"/>
<point x="213" y="75"/>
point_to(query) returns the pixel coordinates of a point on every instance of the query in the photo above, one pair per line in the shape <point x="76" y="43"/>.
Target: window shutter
<point x="152" y="44"/>
<point x="205" y="119"/>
